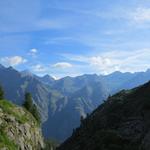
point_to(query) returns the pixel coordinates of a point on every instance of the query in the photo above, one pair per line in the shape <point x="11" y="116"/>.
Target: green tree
<point x="35" y="113"/>
<point x="81" y="119"/>
<point x="28" y="104"/>
<point x="1" y="93"/>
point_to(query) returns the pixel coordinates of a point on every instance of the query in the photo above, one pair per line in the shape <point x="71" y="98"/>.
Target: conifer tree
<point x="32" y="108"/>
<point x="28" y="104"/>
<point x="81" y="119"/>
<point x="1" y="93"/>
<point x="35" y="113"/>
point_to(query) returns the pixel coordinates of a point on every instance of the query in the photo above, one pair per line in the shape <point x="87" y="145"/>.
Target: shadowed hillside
<point x="120" y="123"/>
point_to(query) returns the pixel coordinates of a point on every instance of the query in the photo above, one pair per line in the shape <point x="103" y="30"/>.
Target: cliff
<point x="18" y="129"/>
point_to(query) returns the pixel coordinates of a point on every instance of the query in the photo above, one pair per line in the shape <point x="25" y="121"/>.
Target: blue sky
<point x="73" y="37"/>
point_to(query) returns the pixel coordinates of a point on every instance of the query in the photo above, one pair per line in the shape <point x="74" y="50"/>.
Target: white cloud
<point x="108" y="62"/>
<point x="33" y="52"/>
<point x="12" y="61"/>
<point x="38" y="68"/>
<point x="141" y="15"/>
<point x="62" y="65"/>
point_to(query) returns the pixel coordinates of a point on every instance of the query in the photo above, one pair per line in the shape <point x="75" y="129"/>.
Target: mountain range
<point x="120" y="123"/>
<point x="62" y="102"/>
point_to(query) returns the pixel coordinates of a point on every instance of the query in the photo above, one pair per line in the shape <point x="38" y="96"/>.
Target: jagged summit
<point x="25" y="73"/>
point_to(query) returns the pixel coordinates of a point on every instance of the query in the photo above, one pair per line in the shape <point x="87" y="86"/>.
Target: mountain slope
<point x="117" y="80"/>
<point x="46" y="79"/>
<point x="71" y="107"/>
<point x="18" y="128"/>
<point x="75" y="96"/>
<point x="138" y="79"/>
<point x="69" y="85"/>
<point x="15" y="85"/>
<point x="121" y="123"/>
<point x="70" y="96"/>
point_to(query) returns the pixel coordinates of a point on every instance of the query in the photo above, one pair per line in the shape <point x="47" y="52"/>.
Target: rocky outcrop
<point x="18" y="129"/>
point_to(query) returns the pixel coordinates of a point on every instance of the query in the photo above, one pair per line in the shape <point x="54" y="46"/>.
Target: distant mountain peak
<point x="117" y="72"/>
<point x="90" y="75"/>
<point x="2" y="67"/>
<point x="10" y="68"/>
<point x="48" y="76"/>
<point x="46" y="79"/>
<point x="27" y="73"/>
<point x="148" y="70"/>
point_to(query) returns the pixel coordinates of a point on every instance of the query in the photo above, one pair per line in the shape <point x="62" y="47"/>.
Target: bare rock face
<point x="18" y="129"/>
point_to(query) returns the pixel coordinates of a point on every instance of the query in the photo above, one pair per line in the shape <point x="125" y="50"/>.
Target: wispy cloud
<point x="53" y="69"/>
<point x="33" y="52"/>
<point x="87" y="29"/>
<point x="58" y="23"/>
<point x="13" y="61"/>
<point x="59" y="40"/>
<point x="107" y="62"/>
<point x="27" y="16"/>
<point x="38" y="68"/>
<point x="62" y="65"/>
<point x="141" y="15"/>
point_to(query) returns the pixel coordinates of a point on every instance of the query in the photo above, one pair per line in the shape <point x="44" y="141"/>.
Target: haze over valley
<point x="74" y="75"/>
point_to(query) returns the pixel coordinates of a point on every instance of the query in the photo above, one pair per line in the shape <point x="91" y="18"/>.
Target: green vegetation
<point x="28" y="101"/>
<point x="6" y="142"/>
<point x="35" y="113"/>
<point x="1" y="93"/>
<point x="28" y="104"/>
<point x="16" y="122"/>
<point x="50" y="144"/>
<point x="22" y="118"/>
<point x="9" y="108"/>
<point x="13" y="121"/>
